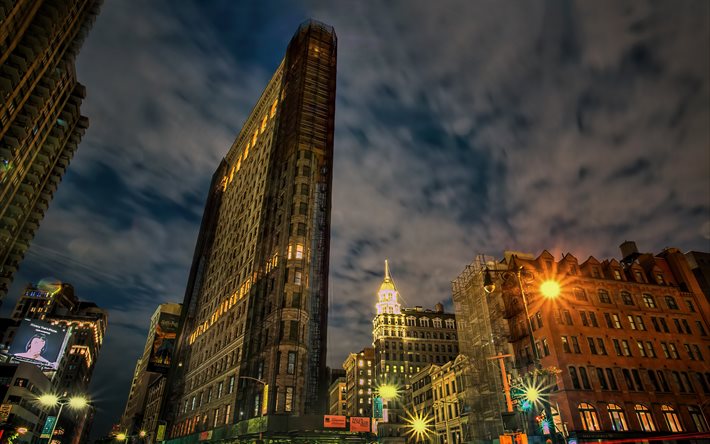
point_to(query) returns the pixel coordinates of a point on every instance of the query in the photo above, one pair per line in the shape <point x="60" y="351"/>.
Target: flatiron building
<point x="253" y="333"/>
<point x="40" y="121"/>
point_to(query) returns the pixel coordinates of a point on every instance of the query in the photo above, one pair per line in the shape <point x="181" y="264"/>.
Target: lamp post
<point x="264" y="402"/>
<point x="386" y="392"/>
<point x="50" y="400"/>
<point x="549" y="289"/>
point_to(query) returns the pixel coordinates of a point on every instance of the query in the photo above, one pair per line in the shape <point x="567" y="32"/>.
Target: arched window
<point x="450" y="323"/>
<point x="626" y="297"/>
<point x="671" y="418"/>
<point x="648" y="301"/>
<point x="579" y="294"/>
<point x="698" y="419"/>
<point x="437" y="322"/>
<point x="670" y="302"/>
<point x="643" y="414"/>
<point x="604" y="296"/>
<point x="424" y="322"/>
<point x="588" y="414"/>
<point x="618" y="418"/>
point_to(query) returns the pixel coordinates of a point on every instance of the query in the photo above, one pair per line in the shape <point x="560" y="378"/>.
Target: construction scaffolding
<point x="483" y="333"/>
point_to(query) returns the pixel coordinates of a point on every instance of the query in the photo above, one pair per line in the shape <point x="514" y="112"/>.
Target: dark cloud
<point x="471" y="128"/>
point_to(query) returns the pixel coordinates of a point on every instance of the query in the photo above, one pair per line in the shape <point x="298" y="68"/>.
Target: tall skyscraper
<point x="40" y="122"/>
<point x="255" y="309"/>
<point x="147" y="372"/>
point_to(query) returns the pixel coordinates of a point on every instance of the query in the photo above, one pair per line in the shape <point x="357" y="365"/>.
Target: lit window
<point x="643" y="414"/>
<point x="590" y="420"/>
<point x="618" y="418"/>
<point x="698" y="419"/>
<point x="273" y="108"/>
<point x="299" y="251"/>
<point x="671" y="418"/>
<point x="297" y="278"/>
<point x="288" y="406"/>
<point x="648" y="301"/>
<point x="617" y="274"/>
<point x="263" y="124"/>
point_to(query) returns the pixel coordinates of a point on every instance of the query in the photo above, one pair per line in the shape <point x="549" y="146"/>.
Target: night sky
<point x="461" y="128"/>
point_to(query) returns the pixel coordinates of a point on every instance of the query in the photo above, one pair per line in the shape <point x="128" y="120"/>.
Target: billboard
<point x="39" y="343"/>
<point x="359" y="424"/>
<point x="161" y="354"/>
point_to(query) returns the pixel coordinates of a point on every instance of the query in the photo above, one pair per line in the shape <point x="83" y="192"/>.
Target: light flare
<point x="419" y="425"/>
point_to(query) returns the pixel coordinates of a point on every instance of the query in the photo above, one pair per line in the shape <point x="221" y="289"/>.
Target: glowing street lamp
<point x="121" y="436"/>
<point x="50" y="400"/>
<point x="419" y="425"/>
<point x="549" y="289"/>
<point x="388" y="391"/>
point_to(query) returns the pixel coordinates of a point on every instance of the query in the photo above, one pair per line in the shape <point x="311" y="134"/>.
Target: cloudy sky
<point x="462" y="127"/>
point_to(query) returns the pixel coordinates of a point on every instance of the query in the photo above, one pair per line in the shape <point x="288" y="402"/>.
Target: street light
<point x="51" y="400"/>
<point x="264" y="394"/>
<point x="385" y="391"/>
<point x="419" y="425"/>
<point x="123" y="436"/>
<point x="550" y="289"/>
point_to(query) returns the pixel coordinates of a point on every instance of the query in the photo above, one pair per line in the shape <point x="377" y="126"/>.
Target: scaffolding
<point x="483" y="333"/>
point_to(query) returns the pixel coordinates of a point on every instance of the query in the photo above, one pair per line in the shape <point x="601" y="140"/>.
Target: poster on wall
<point x="39" y="343"/>
<point x="161" y="354"/>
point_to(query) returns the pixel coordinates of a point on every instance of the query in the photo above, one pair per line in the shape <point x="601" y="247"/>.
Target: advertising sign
<point x="359" y="424"/>
<point x="161" y="354"/>
<point x="39" y="343"/>
<point x="48" y="426"/>
<point x="5" y="410"/>
<point x="334" y="422"/>
<point x="160" y="435"/>
<point x="378" y="407"/>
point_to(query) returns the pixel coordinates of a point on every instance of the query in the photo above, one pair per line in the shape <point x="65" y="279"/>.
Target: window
<point x="626" y="297"/>
<point x="673" y="350"/>
<point x="686" y="327"/>
<point x="664" y="325"/>
<point x="565" y="345"/>
<point x="588" y="414"/>
<point x="698" y="419"/>
<point x="575" y="344"/>
<point x="616" y="320"/>
<point x="642" y="351"/>
<point x="579" y="294"/>
<point x="602" y="348"/>
<point x="585" y="378"/>
<point x="583" y="315"/>
<point x="288" y="405"/>
<point x="617" y="274"/>
<point x="690" y="305"/>
<point x="654" y="321"/>
<point x="618" y="419"/>
<point x="423" y="322"/>
<point x="659" y="278"/>
<point x="671" y="418"/>
<point x="573" y="376"/>
<point x="546" y="348"/>
<point x="671" y="303"/>
<point x="607" y="318"/>
<point x="643" y="414"/>
<point x="436" y="322"/>
<point x="593" y="318"/>
<point x="654" y="380"/>
<point x="568" y="317"/>
<point x="648" y="301"/>
<point x="299" y="251"/>
<point x="617" y="347"/>
<point x="632" y="323"/>
<point x="640" y="324"/>
<point x="602" y="379"/>
<point x="592" y="346"/>
<point x="612" y="379"/>
<point x="297" y="277"/>
<point x="231" y="385"/>
<point x="689" y="351"/>
<point x="650" y="351"/>
<point x="604" y="297"/>
<point x="677" y="325"/>
<point x="626" y="348"/>
<point x="291" y="364"/>
<point x="664" y="348"/>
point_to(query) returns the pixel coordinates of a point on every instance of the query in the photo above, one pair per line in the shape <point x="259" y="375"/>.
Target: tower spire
<point x="387" y="270"/>
<point x="388" y="295"/>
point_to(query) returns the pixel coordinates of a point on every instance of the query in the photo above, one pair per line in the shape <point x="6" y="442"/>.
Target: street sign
<point x="48" y="426"/>
<point x="378" y="407"/>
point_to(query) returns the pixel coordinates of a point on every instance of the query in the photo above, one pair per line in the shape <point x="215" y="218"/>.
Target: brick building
<point x="629" y="337"/>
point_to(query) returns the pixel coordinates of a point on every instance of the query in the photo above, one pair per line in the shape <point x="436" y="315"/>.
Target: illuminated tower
<point x="388" y="296"/>
<point x="253" y="335"/>
<point x="406" y="340"/>
<point x="40" y="121"/>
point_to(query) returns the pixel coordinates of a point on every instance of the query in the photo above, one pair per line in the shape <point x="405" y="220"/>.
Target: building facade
<point x="628" y="339"/>
<point x="20" y="385"/>
<point x="337" y="397"/>
<point x="360" y="382"/>
<point x="255" y="309"/>
<point x="143" y="377"/>
<point x="700" y="264"/>
<point x="40" y="121"/>
<point x="406" y="340"/>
